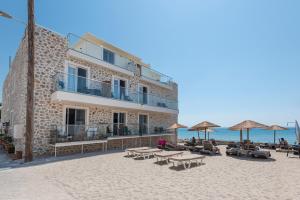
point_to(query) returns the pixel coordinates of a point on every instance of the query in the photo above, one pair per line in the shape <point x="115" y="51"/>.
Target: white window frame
<point x="114" y="77"/>
<point x="119" y="111"/>
<point x="87" y="112"/>
<point x="76" y="65"/>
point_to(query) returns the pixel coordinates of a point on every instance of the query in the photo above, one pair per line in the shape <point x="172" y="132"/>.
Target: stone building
<point x="87" y="89"/>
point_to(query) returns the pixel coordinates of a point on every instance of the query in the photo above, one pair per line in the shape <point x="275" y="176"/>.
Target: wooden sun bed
<point x="131" y="151"/>
<point x="146" y="152"/>
<point x="187" y="159"/>
<point x="165" y="155"/>
<point x="260" y="153"/>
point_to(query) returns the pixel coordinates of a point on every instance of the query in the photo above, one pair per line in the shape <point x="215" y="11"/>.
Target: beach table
<point x="187" y="160"/>
<point x="165" y="155"/>
<point x="146" y="153"/>
<point x="131" y="151"/>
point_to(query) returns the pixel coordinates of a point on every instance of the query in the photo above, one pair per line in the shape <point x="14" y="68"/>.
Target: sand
<point x="113" y="176"/>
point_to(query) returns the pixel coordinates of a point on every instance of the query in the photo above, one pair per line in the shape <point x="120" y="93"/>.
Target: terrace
<point x="115" y="60"/>
<point x="123" y="97"/>
<point x="102" y="131"/>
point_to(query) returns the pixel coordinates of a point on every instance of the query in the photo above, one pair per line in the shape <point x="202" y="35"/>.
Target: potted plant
<point x="10" y="148"/>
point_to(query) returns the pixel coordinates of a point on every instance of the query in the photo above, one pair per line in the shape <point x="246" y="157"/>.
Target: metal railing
<point x="74" y="133"/>
<point x="77" y="84"/>
<point x="93" y="50"/>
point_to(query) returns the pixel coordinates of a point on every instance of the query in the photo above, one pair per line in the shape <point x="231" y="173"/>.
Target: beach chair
<point x="174" y="147"/>
<point x="146" y="153"/>
<point x="260" y="154"/>
<point x="209" y="148"/>
<point x="165" y="155"/>
<point x="232" y="151"/>
<point x="131" y="151"/>
<point x="187" y="160"/>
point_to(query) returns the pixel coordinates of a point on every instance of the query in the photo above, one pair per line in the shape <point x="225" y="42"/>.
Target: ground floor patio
<point x="113" y="176"/>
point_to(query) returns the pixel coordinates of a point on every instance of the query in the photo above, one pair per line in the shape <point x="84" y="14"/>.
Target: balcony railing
<point x="93" y="50"/>
<point x="77" y="84"/>
<point x="153" y="75"/>
<point x="74" y="133"/>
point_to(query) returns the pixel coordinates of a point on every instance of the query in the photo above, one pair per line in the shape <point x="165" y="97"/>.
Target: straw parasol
<point x="247" y="125"/>
<point x="175" y="127"/>
<point x="193" y="129"/>
<point x="209" y="131"/>
<point x="276" y="128"/>
<point x="204" y="126"/>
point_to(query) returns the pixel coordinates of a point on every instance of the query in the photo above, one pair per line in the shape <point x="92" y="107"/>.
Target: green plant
<point x="10" y="148"/>
<point x="8" y="139"/>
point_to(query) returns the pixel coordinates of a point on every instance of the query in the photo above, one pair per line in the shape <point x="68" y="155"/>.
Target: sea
<point x="255" y="135"/>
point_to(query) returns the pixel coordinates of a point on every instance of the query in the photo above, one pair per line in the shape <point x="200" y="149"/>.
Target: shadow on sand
<point x="252" y="159"/>
<point x="181" y="167"/>
<point x="47" y="160"/>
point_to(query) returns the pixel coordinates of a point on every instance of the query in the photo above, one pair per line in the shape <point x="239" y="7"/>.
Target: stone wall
<point x="50" y="56"/>
<point x="14" y="95"/>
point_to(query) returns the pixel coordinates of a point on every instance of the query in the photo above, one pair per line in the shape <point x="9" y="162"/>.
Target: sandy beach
<point x="113" y="176"/>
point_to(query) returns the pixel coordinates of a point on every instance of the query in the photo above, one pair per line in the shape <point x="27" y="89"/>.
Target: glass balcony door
<point x="119" y="124"/>
<point x="143" y="95"/>
<point x="75" y="123"/>
<point x="77" y="79"/>
<point x="119" y="89"/>
<point x="143" y="124"/>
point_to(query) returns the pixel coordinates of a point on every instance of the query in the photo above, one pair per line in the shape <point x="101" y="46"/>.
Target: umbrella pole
<point x="205" y="133"/>
<point x="247" y="133"/>
<point x="176" y="136"/>
<point x="241" y="135"/>
<point x="274" y="137"/>
<point x="198" y="135"/>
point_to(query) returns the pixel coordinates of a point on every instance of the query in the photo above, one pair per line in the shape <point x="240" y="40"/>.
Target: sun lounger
<point x="173" y="147"/>
<point x="187" y="160"/>
<point x="232" y="151"/>
<point x="209" y="148"/>
<point x="131" y="151"/>
<point x="260" y="154"/>
<point x="146" y="153"/>
<point x="165" y="155"/>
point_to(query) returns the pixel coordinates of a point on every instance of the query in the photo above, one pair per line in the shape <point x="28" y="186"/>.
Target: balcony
<point x="86" y="49"/>
<point x="102" y="131"/>
<point x="73" y="88"/>
<point x="155" y="77"/>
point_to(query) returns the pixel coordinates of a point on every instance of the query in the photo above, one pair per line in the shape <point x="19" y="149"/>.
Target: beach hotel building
<point x="89" y="92"/>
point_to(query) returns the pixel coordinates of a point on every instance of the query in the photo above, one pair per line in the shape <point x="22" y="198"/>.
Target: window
<point x="119" y="124"/>
<point x="143" y="124"/>
<point x="108" y="56"/>
<point x="77" y="79"/>
<point x="120" y="89"/>
<point x="75" y="122"/>
<point x="143" y="94"/>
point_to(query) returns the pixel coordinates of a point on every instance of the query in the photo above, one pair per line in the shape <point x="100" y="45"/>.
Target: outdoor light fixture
<point x="4" y="14"/>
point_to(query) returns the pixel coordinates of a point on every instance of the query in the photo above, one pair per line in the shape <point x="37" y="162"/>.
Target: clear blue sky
<point x="233" y="60"/>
